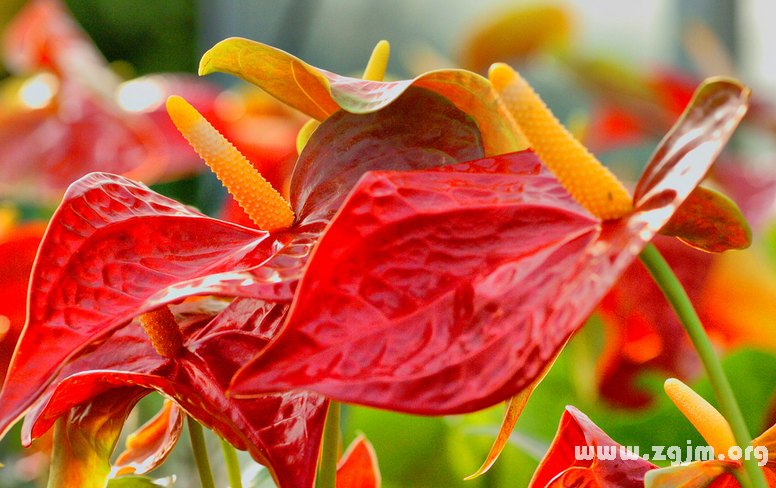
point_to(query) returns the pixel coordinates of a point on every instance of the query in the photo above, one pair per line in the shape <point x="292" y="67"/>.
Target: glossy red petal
<point x="281" y="431"/>
<point x="442" y="292"/>
<point x="412" y="286"/>
<point x="579" y="437"/>
<point x="420" y="130"/>
<point x="113" y="250"/>
<point x="358" y="466"/>
<point x="149" y="446"/>
<point x="694" y="142"/>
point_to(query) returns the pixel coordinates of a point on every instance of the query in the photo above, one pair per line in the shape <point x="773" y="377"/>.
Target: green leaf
<point x="710" y="221"/>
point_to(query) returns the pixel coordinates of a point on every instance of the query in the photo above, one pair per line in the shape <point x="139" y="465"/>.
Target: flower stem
<point x="327" y="476"/>
<point x="200" y="454"/>
<point x="232" y="464"/>
<point x="668" y="282"/>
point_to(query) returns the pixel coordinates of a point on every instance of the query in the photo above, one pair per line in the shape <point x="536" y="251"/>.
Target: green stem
<point x="677" y="297"/>
<point x="327" y="476"/>
<point x="200" y="454"/>
<point x="232" y="464"/>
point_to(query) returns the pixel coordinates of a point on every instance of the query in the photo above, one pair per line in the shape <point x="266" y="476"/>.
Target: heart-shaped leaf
<point x="113" y="250"/>
<point x="420" y="130"/>
<point x="417" y="266"/>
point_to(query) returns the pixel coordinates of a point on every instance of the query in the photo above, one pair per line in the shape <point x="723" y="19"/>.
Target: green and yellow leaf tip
<point x="583" y="176"/>
<point x="266" y="207"/>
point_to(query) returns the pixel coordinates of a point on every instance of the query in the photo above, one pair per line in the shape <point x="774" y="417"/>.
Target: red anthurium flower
<point x="732" y="292"/>
<point x="582" y="455"/>
<point x="432" y="291"/>
<point x="64" y="346"/>
<point x="68" y="113"/>
<point x="431" y="266"/>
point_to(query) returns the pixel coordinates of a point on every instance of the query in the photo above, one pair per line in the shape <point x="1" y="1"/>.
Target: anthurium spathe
<point x="582" y="455"/>
<point x="433" y="296"/>
<point x="150" y="445"/>
<point x="49" y="341"/>
<point x="358" y="466"/>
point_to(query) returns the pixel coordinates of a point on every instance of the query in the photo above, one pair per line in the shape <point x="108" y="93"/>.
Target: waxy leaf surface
<point x="113" y="250"/>
<point x="448" y="290"/>
<point x="561" y="466"/>
<point x="420" y="130"/>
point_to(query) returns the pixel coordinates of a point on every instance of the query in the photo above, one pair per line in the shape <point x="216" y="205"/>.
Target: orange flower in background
<point x="66" y="113"/>
<point x="18" y="246"/>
